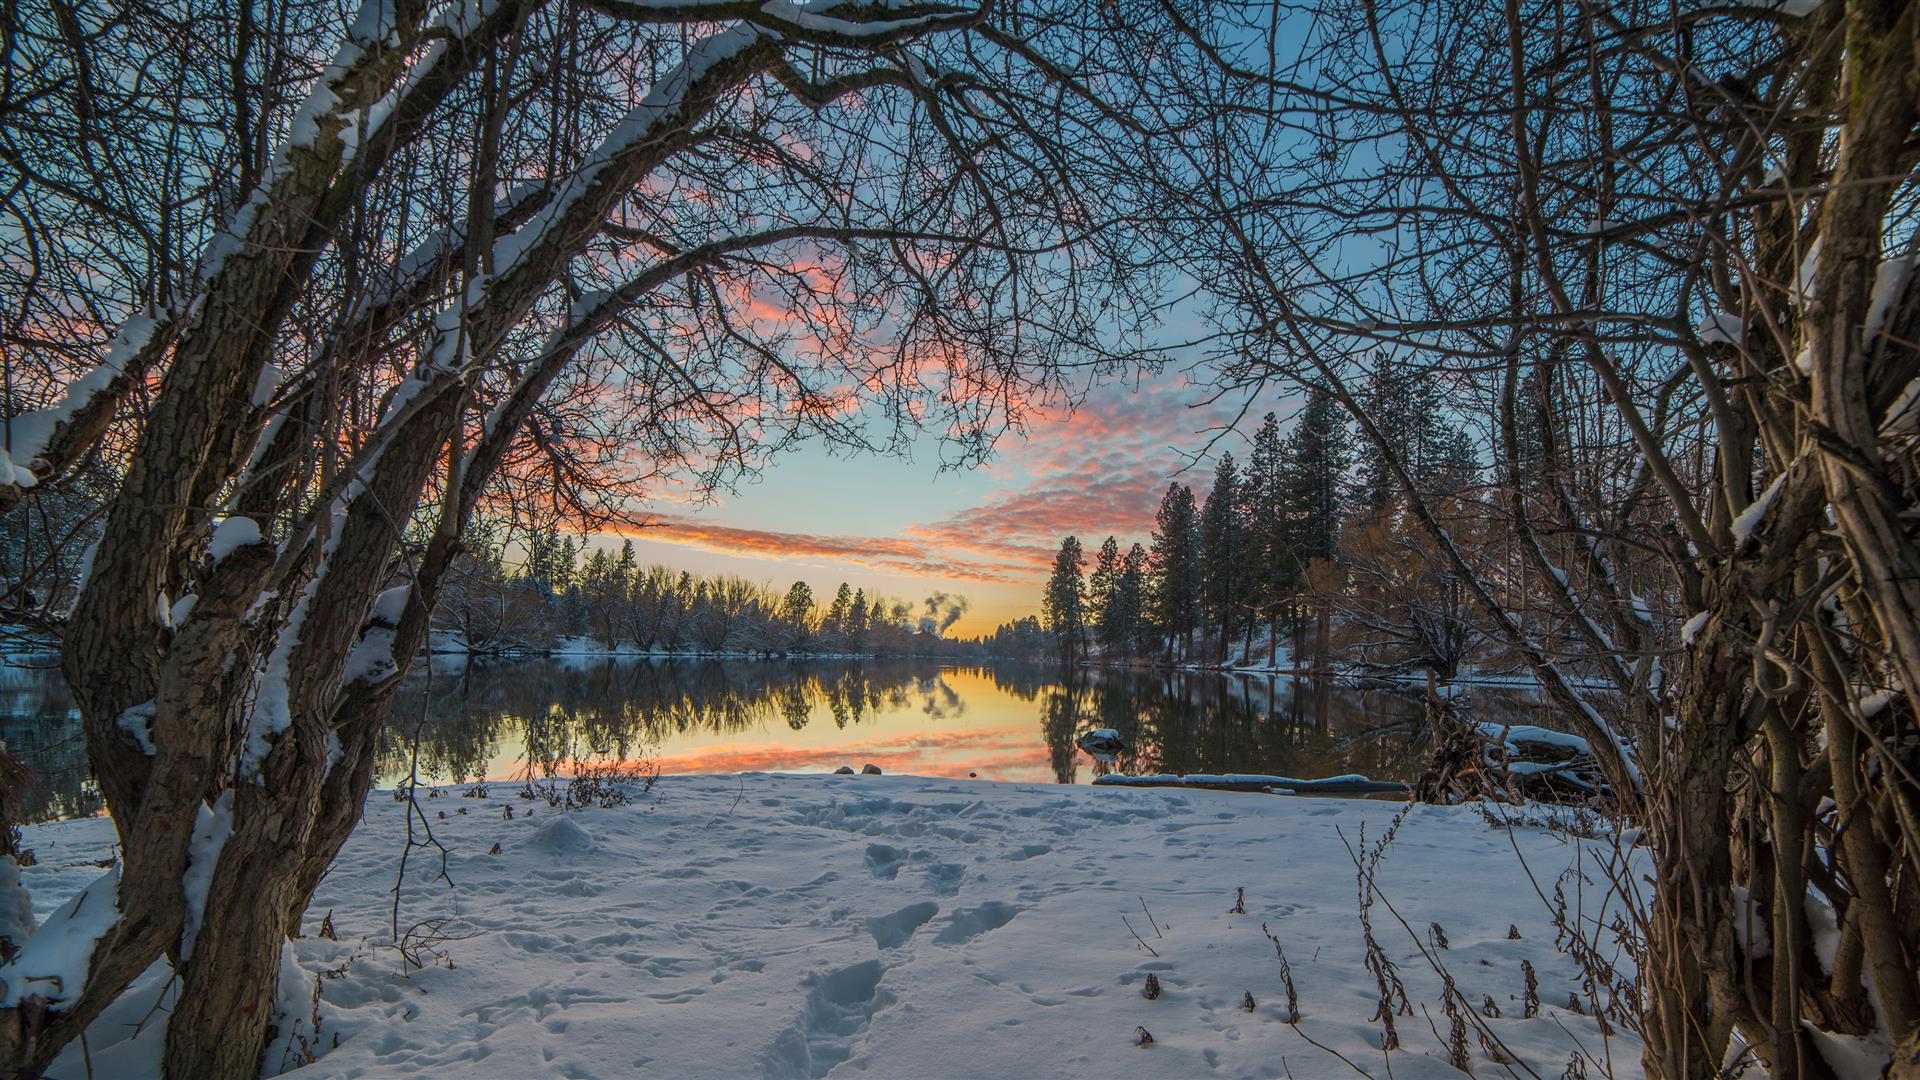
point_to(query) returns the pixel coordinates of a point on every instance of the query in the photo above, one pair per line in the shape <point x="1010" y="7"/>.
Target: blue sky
<point x="904" y="528"/>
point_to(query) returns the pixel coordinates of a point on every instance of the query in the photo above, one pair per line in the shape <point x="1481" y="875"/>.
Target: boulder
<point x="1104" y="743"/>
<point x="870" y="769"/>
<point x="844" y="770"/>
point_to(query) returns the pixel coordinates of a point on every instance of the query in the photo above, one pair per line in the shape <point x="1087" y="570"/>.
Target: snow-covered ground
<point x="801" y="926"/>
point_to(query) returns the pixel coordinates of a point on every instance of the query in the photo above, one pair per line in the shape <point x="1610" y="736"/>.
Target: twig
<point x="415" y="809"/>
<point x="1137" y="937"/>
<point x="1432" y="961"/>
<point x="1150" y="922"/>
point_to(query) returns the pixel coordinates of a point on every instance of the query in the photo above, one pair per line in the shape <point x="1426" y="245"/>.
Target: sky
<point x="904" y="528"/>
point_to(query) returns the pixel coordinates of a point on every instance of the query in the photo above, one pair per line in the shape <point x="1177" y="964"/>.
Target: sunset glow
<point x="902" y="527"/>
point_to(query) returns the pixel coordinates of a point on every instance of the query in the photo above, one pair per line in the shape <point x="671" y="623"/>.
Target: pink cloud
<point x="1095" y="471"/>
<point x="907" y="556"/>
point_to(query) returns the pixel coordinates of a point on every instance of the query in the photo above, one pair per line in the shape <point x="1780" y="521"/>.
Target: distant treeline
<point x="565" y="595"/>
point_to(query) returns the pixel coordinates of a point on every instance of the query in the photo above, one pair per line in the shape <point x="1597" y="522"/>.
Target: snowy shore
<point x="801" y="926"/>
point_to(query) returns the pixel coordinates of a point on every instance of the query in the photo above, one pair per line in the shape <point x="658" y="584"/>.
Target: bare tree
<point x="1663" y="256"/>
<point x="366" y="279"/>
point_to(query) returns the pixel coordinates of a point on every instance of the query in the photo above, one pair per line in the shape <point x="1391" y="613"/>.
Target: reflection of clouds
<point x="1028" y="767"/>
<point x="933" y="753"/>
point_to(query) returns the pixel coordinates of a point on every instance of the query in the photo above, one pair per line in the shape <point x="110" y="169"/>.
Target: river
<point x="1016" y="722"/>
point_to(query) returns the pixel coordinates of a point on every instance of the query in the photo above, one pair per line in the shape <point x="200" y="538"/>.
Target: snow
<point x="1850" y="1056"/>
<point x="267" y="384"/>
<point x="1789" y="7"/>
<point x="372" y="656"/>
<point x="1721" y="328"/>
<point x="1809" y="266"/>
<point x="28" y="435"/>
<point x="1889" y="285"/>
<point x="231" y="535"/>
<point x="561" y="836"/>
<point x="663" y="101"/>
<point x="1750" y="518"/>
<point x="1751" y="929"/>
<point x="897" y="926"/>
<point x="1282" y="784"/>
<point x="52" y="964"/>
<point x="16" y="905"/>
<point x="137" y="721"/>
<point x="1690" y="629"/>
<point x="1904" y="411"/>
<point x="212" y="825"/>
<point x="273" y="707"/>
<point x="390" y="605"/>
<point x="1511" y="735"/>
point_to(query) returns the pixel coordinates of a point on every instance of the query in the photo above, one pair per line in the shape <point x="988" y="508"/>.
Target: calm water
<point x="1001" y="722"/>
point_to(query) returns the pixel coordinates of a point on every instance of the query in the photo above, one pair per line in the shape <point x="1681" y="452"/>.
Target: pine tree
<point x="1065" y="604"/>
<point x="857" y="618"/>
<point x="1454" y="465"/>
<point x="1131" y="602"/>
<point x="1438" y="454"/>
<point x="1270" y="570"/>
<point x="1220" y="551"/>
<point x="1175" y="581"/>
<point x="1318" y="453"/>
<point x="797" y="611"/>
<point x="1102" y="589"/>
<point x="838" y="613"/>
<point x="1394" y="404"/>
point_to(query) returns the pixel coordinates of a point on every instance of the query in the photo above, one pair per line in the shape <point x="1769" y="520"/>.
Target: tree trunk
<point x="1694" y="992"/>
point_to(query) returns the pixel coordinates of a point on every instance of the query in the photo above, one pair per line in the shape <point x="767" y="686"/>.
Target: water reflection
<point x="1000" y="722"/>
<point x="40" y="726"/>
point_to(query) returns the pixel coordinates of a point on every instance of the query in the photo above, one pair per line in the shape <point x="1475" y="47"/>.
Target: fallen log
<point x="1509" y="762"/>
<point x="1274" y="785"/>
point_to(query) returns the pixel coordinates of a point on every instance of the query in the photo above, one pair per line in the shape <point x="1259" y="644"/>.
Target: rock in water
<point x="1104" y="743"/>
<point x="870" y="769"/>
<point x="844" y="770"/>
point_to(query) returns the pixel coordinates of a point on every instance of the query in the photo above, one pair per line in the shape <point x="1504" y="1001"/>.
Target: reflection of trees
<point x="1181" y="722"/>
<point x="618" y="709"/>
<point x="1024" y="681"/>
<point x="1061" y="706"/>
<point x="1205" y="722"/>
<point x="40" y="727"/>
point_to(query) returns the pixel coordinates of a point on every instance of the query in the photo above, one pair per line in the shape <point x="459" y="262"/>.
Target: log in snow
<point x="1277" y="785"/>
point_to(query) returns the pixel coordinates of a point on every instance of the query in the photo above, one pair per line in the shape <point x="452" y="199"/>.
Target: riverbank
<point x="796" y="926"/>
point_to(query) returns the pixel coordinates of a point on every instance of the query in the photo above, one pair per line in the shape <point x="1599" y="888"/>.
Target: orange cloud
<point x="901" y="556"/>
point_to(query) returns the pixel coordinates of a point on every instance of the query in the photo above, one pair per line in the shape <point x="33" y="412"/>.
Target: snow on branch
<point x="42" y="442"/>
<point x="52" y="966"/>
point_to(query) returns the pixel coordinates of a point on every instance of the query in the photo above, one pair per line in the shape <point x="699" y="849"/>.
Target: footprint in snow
<point x="944" y="878"/>
<point x="895" y="930"/>
<point x="883" y="861"/>
<point x="836" y="1011"/>
<point x="966" y="924"/>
